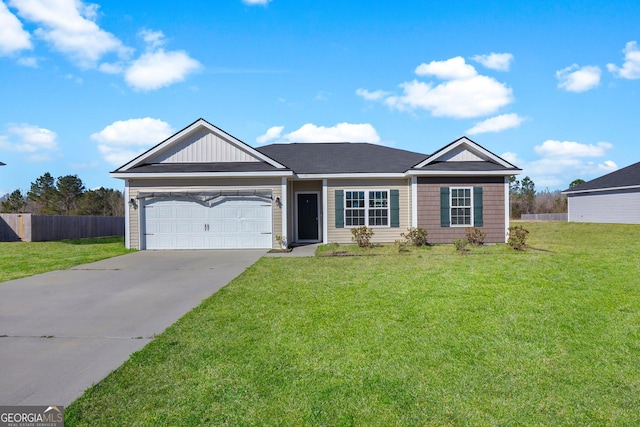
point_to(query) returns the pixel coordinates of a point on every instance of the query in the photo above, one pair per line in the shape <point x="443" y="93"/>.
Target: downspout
<point x="507" y="210"/>
<point x="414" y="201"/>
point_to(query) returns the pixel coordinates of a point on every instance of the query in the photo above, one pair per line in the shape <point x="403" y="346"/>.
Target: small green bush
<point x="362" y="236"/>
<point x="518" y="238"/>
<point x="402" y="245"/>
<point x="460" y="244"/>
<point x="475" y="236"/>
<point x="415" y="236"/>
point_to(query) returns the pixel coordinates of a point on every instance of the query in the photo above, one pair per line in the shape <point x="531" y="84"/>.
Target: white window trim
<point x="366" y="207"/>
<point x="451" y="207"/>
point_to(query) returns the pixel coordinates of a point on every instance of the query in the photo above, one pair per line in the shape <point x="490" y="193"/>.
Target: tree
<point x="528" y="194"/>
<point x="70" y="190"/>
<point x="576" y="182"/>
<point x="44" y="194"/>
<point x="15" y="203"/>
<point x="103" y="201"/>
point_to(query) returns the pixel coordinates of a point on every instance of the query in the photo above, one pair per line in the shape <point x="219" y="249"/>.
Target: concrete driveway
<point x="61" y="332"/>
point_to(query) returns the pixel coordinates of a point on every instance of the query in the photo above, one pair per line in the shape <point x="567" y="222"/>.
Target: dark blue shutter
<point x="477" y="207"/>
<point x="394" y="203"/>
<point x="444" y="207"/>
<point x="339" y="209"/>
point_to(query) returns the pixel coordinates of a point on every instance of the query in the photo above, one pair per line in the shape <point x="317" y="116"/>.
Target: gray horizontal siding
<point x="614" y="207"/>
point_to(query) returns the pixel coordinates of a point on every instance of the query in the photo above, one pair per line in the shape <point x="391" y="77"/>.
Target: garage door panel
<point x="228" y="223"/>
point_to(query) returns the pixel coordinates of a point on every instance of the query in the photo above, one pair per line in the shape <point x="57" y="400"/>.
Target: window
<point x="354" y="213"/>
<point x="378" y="208"/>
<point x="461" y="206"/>
<point x="369" y="208"/>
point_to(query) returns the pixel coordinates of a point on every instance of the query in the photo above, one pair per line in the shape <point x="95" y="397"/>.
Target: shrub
<point x="362" y="236"/>
<point x="518" y="238"/>
<point x="402" y="245"/>
<point x="415" y="236"/>
<point x="475" y="236"/>
<point x="460" y="244"/>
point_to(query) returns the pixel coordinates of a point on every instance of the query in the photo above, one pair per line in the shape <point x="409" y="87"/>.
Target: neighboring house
<point x="612" y="198"/>
<point x="203" y="188"/>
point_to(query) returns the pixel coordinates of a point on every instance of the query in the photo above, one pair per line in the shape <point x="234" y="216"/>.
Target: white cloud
<point x="158" y="69"/>
<point x="451" y="69"/>
<point x="571" y="149"/>
<point x="495" y="61"/>
<point x="153" y="39"/>
<point x="467" y="98"/>
<point x="497" y="124"/>
<point x="376" y="95"/>
<point x="13" y="37"/>
<point x="35" y="142"/>
<point x="123" y="140"/>
<point x="631" y="67"/>
<point x="561" y="162"/>
<point x="463" y="94"/>
<point x="341" y="132"/>
<point x="70" y="27"/>
<point x="576" y="79"/>
<point x="28" y="61"/>
<point x="256" y="2"/>
<point x="272" y="133"/>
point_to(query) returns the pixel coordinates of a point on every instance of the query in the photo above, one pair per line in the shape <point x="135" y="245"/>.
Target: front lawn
<point x="22" y="259"/>
<point x="546" y="337"/>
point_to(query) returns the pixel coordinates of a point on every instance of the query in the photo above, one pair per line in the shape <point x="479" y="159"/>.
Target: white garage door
<point x="229" y="223"/>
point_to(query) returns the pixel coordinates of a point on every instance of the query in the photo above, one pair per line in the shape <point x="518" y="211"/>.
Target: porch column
<point x="284" y="208"/>
<point x="325" y="212"/>
<point x="127" y="237"/>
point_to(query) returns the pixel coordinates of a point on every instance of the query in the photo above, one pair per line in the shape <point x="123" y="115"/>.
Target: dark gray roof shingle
<point x="204" y="167"/>
<point x="625" y="177"/>
<point x="463" y="166"/>
<point x="347" y="157"/>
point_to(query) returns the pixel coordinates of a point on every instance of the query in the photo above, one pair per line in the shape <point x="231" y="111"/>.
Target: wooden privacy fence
<point x="41" y="228"/>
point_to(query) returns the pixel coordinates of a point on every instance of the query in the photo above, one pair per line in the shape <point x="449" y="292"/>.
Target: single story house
<point x="612" y="198"/>
<point x="203" y="188"/>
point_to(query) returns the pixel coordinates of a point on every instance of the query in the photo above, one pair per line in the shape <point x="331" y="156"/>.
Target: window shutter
<point x="477" y="207"/>
<point x="394" y="203"/>
<point x="339" y="208"/>
<point x="444" y="206"/>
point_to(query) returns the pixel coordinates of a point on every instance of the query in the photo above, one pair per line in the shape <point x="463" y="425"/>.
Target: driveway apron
<point x="63" y="331"/>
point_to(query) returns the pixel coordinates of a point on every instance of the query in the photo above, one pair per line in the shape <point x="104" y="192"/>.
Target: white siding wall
<point x="616" y="207"/>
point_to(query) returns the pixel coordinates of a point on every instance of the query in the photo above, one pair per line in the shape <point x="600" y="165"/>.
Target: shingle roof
<point x="204" y="167"/>
<point x="347" y="157"/>
<point x="464" y="166"/>
<point x="625" y="177"/>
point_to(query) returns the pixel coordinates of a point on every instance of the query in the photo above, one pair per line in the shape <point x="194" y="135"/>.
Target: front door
<point x="308" y="217"/>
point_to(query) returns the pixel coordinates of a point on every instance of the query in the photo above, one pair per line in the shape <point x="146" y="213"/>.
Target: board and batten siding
<point x="381" y="234"/>
<point x="493" y="212"/>
<point x="204" y="147"/>
<point x="610" y="207"/>
<point x="273" y="184"/>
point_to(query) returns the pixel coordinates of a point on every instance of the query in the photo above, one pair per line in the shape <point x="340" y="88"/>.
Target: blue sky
<point x="552" y="86"/>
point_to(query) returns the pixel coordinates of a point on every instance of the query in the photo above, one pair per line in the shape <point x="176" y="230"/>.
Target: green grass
<point x="433" y="338"/>
<point x="22" y="259"/>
